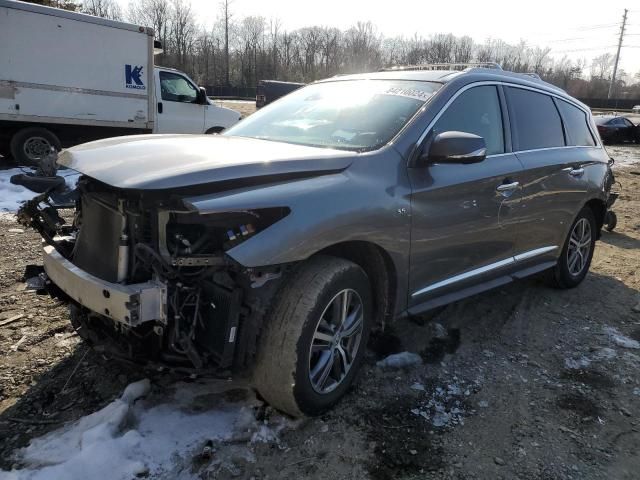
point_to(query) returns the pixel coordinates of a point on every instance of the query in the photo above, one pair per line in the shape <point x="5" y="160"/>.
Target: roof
<point x="444" y="76"/>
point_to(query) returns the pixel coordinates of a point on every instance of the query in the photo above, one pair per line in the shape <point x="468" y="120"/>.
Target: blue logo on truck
<point x="132" y="77"/>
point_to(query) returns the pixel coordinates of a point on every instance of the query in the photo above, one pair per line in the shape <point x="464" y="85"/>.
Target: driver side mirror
<point x="455" y="147"/>
<point x="202" y="96"/>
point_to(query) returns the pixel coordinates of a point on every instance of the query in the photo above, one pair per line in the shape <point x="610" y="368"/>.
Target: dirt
<point x="521" y="382"/>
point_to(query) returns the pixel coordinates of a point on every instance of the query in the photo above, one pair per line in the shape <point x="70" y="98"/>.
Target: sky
<point x="579" y="28"/>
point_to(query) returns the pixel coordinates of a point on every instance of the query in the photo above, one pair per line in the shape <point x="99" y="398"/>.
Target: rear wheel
<point x="315" y="337"/>
<point x="30" y="145"/>
<point x="577" y="252"/>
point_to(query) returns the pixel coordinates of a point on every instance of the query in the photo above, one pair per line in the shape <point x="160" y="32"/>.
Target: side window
<point x="535" y="119"/>
<point x="176" y="88"/>
<point x="476" y="111"/>
<point x="575" y="121"/>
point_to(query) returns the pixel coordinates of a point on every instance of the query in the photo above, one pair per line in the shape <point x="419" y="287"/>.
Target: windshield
<point x="354" y="115"/>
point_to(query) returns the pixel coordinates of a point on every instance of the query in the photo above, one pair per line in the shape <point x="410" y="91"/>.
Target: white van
<point x="67" y="78"/>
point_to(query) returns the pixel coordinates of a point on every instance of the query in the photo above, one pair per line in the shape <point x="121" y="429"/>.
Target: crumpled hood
<point x="175" y="161"/>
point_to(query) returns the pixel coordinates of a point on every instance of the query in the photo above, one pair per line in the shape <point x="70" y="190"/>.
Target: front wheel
<point x="577" y="252"/>
<point x="315" y="337"/>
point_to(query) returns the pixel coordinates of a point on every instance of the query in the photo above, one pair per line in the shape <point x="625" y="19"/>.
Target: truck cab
<point x="183" y="107"/>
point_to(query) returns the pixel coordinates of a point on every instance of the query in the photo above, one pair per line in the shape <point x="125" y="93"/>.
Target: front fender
<point x="368" y="202"/>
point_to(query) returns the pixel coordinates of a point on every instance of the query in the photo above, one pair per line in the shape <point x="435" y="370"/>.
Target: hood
<point x="155" y="162"/>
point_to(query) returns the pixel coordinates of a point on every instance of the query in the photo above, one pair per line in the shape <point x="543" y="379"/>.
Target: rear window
<point x="576" y="123"/>
<point x="536" y="119"/>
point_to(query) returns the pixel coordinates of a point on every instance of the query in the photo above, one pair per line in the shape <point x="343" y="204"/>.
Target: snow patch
<point x="400" y="360"/>
<point x="146" y="434"/>
<point x="13" y="196"/>
<point x="577" y="363"/>
<point x="620" y="339"/>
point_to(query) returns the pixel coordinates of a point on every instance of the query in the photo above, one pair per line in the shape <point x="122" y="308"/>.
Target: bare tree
<point x="103" y="8"/>
<point x="154" y="14"/>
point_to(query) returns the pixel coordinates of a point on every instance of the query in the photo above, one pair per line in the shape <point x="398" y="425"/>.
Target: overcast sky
<point x="579" y="28"/>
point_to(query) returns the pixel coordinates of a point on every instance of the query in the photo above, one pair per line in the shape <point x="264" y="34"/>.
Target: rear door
<point x="553" y="182"/>
<point x="178" y="109"/>
<point x="462" y="224"/>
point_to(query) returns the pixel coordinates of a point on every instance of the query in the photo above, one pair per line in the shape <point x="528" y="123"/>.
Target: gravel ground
<point x="522" y="382"/>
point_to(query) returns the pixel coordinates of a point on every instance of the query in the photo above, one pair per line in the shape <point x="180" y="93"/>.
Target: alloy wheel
<point x="336" y="341"/>
<point x="579" y="247"/>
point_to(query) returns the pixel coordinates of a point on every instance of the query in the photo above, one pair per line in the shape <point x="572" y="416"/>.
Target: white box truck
<point x="67" y="78"/>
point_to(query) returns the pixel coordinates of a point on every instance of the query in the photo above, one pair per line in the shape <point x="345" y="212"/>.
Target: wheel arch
<point x="379" y="267"/>
<point x="599" y="209"/>
<point x="213" y="130"/>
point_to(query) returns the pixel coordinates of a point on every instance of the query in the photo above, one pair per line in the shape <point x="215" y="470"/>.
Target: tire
<point x="215" y="130"/>
<point x="566" y="274"/>
<point x="29" y="145"/>
<point x="285" y="361"/>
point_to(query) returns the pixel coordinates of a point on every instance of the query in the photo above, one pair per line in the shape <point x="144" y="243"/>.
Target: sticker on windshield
<point x="409" y="92"/>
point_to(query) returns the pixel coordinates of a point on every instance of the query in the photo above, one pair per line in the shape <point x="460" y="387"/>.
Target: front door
<point x="463" y="216"/>
<point x="178" y="109"/>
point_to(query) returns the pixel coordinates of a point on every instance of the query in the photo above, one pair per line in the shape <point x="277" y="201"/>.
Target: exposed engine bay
<point x="148" y="278"/>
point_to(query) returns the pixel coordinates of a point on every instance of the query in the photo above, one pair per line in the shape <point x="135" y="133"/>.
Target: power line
<point x="584" y="49"/>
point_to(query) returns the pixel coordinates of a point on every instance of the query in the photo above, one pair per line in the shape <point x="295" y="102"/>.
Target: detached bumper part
<point x="128" y="304"/>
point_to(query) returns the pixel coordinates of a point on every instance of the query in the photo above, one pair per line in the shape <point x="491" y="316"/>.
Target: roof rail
<point x="531" y="74"/>
<point x="444" y="66"/>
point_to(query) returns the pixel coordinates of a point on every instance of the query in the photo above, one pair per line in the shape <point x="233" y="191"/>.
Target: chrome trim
<point x="464" y="276"/>
<point x="516" y="85"/>
<point x="534" y="253"/>
<point x="481" y="152"/>
<point x="487" y="268"/>
<point x="506" y="187"/>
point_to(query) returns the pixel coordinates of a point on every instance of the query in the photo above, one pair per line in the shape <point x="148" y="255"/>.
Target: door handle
<point x="507" y="187"/>
<point x="159" y="107"/>
<point x="576" y="172"/>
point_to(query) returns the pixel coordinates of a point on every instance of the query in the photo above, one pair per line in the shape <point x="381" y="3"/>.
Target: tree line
<point x="240" y="51"/>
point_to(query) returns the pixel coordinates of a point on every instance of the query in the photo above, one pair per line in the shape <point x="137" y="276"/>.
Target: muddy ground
<point x="522" y="382"/>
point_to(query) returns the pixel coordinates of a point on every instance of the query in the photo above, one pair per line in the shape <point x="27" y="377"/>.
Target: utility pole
<point x="615" y="65"/>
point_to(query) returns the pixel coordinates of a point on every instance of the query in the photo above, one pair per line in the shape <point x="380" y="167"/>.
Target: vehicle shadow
<point x="620" y="240"/>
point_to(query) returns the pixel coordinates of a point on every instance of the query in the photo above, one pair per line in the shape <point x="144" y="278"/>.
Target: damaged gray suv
<point x="273" y="250"/>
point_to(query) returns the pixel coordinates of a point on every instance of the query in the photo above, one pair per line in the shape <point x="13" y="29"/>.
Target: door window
<point x="535" y="119"/>
<point x="176" y="88"/>
<point x="575" y="121"/>
<point x="476" y="111"/>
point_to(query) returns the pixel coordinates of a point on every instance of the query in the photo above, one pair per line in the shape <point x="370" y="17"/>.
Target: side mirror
<point x="455" y="147"/>
<point x="202" y="96"/>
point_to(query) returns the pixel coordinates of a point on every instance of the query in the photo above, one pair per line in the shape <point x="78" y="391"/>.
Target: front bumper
<point x="130" y="305"/>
